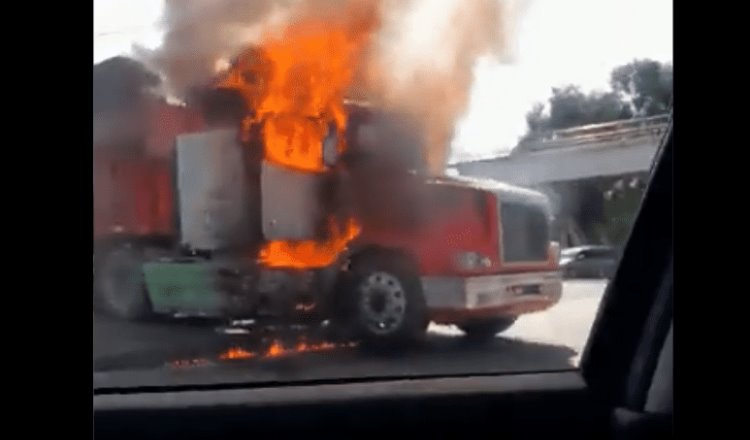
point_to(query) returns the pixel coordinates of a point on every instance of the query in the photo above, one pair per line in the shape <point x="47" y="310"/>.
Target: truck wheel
<point x="486" y="330"/>
<point x="119" y="288"/>
<point x="385" y="304"/>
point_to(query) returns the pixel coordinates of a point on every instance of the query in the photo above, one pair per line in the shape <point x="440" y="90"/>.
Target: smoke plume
<point x="432" y="81"/>
<point x="198" y="34"/>
<point x="418" y="61"/>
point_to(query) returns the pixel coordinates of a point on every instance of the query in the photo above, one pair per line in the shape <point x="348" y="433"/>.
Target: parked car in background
<point x="589" y="262"/>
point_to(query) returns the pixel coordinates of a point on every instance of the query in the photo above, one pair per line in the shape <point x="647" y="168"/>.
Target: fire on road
<point x="182" y="353"/>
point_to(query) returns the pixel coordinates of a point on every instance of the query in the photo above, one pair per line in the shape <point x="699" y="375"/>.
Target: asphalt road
<point x="190" y="352"/>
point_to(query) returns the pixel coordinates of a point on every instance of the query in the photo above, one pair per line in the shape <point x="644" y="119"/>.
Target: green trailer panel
<point x="183" y="287"/>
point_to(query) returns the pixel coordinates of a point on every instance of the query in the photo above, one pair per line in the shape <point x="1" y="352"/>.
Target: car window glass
<point x="284" y="190"/>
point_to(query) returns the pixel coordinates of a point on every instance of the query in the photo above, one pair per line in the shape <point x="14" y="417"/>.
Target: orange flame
<point x="309" y="253"/>
<point x="236" y="353"/>
<point x="277" y="349"/>
<point x="291" y="142"/>
<point x="295" y="83"/>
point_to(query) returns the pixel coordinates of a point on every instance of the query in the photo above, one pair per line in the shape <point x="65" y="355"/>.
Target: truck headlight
<point x="472" y="261"/>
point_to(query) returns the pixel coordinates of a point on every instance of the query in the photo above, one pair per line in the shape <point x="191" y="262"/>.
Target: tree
<point x="570" y="107"/>
<point x="646" y="84"/>
<point x="639" y="88"/>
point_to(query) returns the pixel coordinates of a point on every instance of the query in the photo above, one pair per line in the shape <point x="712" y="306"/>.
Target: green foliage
<point x="640" y="88"/>
<point x="646" y="84"/>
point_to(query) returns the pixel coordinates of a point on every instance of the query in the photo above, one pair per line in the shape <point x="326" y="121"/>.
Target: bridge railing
<point x="597" y="133"/>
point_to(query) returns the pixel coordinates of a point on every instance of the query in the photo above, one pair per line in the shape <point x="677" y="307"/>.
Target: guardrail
<point x="597" y="133"/>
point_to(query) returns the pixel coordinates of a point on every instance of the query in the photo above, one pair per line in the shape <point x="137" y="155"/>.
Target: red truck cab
<point x="482" y="249"/>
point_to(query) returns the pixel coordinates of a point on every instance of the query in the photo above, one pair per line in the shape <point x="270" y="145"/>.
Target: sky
<point x="558" y="42"/>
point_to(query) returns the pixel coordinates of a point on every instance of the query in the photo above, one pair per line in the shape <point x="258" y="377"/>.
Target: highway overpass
<point x="600" y="150"/>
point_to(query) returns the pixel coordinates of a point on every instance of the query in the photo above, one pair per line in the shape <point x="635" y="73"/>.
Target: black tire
<point x="487" y="330"/>
<point x="382" y="304"/>
<point x="119" y="288"/>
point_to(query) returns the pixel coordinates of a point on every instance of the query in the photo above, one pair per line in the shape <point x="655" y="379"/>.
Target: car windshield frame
<point x="158" y="355"/>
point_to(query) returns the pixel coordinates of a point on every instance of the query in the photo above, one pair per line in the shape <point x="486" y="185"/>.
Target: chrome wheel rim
<point x="382" y="303"/>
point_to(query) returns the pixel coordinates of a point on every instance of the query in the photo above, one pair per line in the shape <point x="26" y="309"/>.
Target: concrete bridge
<point x="599" y="150"/>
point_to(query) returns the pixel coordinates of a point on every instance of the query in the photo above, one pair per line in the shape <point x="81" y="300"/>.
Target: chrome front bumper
<point x="492" y="291"/>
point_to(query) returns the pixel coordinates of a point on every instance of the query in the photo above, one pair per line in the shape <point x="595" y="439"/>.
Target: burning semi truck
<point x="209" y="217"/>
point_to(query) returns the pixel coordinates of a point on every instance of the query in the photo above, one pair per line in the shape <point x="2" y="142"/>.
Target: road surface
<point x="190" y="352"/>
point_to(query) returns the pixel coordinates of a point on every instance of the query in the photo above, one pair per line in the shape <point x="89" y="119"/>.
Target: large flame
<point x="295" y="83"/>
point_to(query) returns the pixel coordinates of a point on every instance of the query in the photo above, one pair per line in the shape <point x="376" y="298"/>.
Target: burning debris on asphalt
<point x="237" y="353"/>
<point x="276" y="349"/>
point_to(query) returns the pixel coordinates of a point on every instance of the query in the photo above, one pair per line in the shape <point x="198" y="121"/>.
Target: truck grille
<point x="525" y="232"/>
